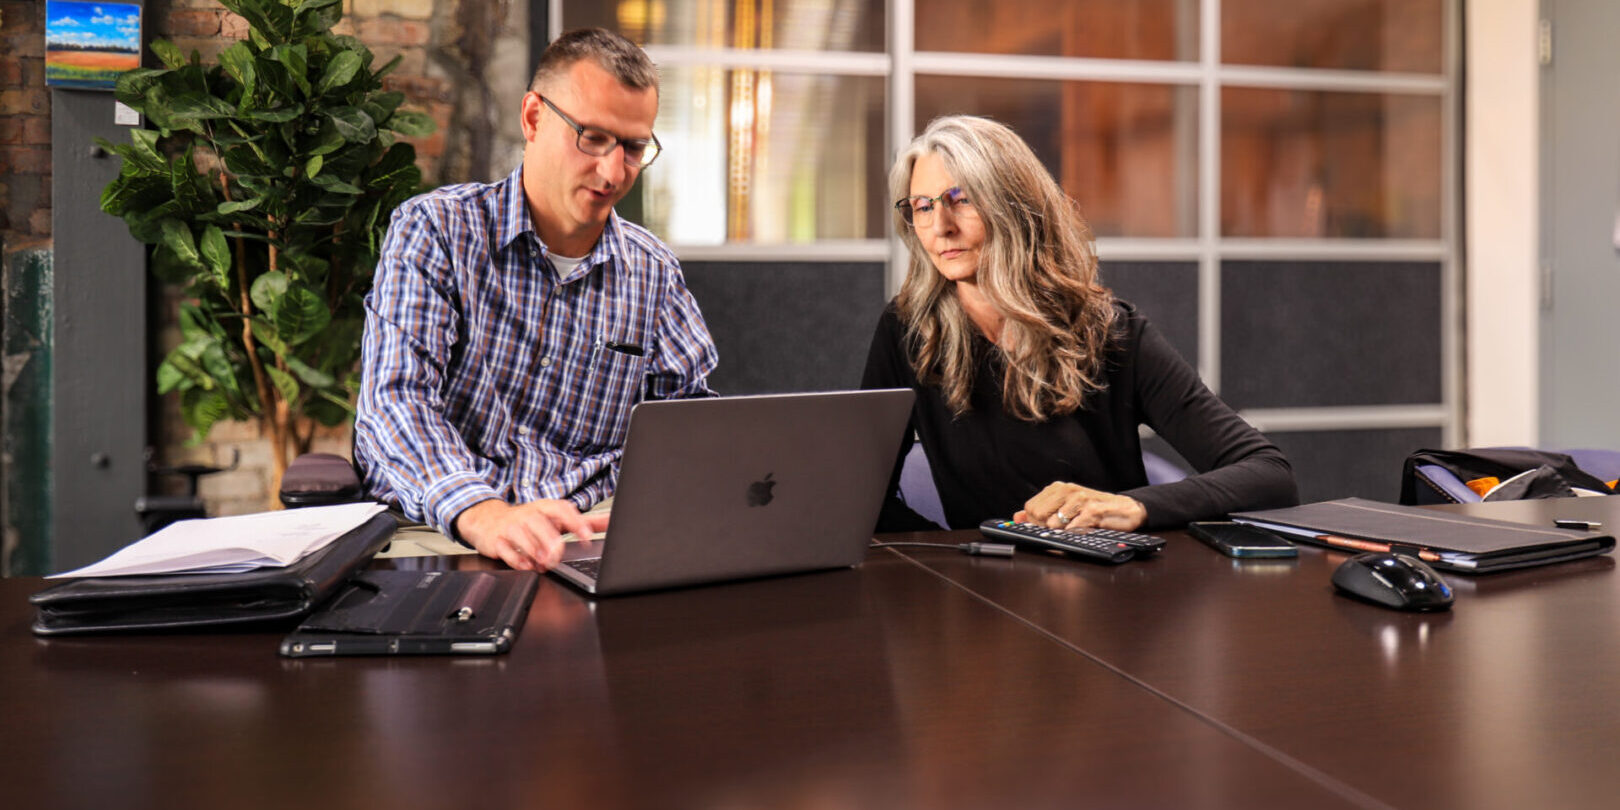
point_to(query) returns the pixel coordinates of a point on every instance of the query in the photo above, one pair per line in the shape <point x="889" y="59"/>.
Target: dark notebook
<point x="1453" y="542"/>
<point x="176" y="601"/>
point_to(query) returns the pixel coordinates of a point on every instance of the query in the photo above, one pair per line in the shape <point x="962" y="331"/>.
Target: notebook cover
<point x="1484" y="544"/>
<point x="174" y="601"/>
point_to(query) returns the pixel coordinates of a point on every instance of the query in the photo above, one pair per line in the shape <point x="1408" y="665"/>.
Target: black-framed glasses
<point x="918" y="211"/>
<point x="638" y="152"/>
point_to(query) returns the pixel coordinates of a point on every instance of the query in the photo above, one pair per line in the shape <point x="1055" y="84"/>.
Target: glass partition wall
<point x="1273" y="181"/>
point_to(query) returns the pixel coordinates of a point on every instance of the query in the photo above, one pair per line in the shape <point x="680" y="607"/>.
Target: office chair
<point x="157" y="511"/>
<point x="918" y="491"/>
<point x="320" y="479"/>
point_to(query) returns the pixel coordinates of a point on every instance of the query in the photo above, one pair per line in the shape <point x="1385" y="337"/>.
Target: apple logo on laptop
<point x="759" y="492"/>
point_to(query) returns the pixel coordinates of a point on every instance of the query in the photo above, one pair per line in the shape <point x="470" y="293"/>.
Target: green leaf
<point x="226" y="208"/>
<point x="133" y="85"/>
<point x="279" y="115"/>
<point x="328" y="410"/>
<point x="301" y="315"/>
<point x="269" y="22"/>
<point x="353" y="124"/>
<point x="178" y="239"/>
<point x="285" y="384"/>
<point x="389" y="67"/>
<point x="143" y="150"/>
<point x="217" y="254"/>
<point x="411" y="124"/>
<point x="199" y="107"/>
<point x="313" y="167"/>
<point x="184" y="361"/>
<point x="328" y="140"/>
<point x="316" y="16"/>
<point x="168" y="53"/>
<point x="237" y="62"/>
<point x="169" y="378"/>
<point x="387" y="102"/>
<point x="218" y="365"/>
<point x="314" y="377"/>
<point x="267" y="291"/>
<point x="192" y="323"/>
<point x="243" y="163"/>
<point x="335" y="185"/>
<point x="201" y="410"/>
<point x="296" y="58"/>
<point x="339" y="71"/>
<point x="265" y="332"/>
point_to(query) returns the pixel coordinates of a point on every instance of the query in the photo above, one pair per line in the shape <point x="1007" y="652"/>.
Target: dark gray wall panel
<point x="100" y="374"/>
<point x="1302" y="334"/>
<point x="780" y="326"/>
<point x="1166" y="292"/>
<point x="1340" y="463"/>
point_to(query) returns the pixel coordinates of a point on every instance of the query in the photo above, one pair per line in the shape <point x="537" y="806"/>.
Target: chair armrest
<point x="319" y="479"/>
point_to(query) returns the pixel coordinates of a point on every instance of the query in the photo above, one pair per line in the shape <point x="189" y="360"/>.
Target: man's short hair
<point x="620" y="57"/>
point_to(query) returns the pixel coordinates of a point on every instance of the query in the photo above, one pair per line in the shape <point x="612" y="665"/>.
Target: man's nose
<point x="611" y="166"/>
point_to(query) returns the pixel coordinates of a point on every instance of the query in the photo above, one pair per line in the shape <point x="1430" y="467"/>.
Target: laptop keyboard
<point x="589" y="566"/>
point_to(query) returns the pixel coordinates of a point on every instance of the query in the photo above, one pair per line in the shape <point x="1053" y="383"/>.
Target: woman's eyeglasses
<point x="638" y="152"/>
<point x="918" y="211"/>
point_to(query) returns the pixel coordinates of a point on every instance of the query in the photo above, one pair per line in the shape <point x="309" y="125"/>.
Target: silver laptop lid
<point x="726" y="488"/>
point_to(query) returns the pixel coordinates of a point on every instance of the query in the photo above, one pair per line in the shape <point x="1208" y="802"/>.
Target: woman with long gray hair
<point x="1031" y="378"/>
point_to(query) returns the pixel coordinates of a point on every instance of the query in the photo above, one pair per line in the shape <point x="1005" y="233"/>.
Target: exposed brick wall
<point x="25" y="126"/>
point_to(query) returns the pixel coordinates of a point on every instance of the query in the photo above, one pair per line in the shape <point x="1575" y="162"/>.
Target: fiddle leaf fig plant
<point x="265" y="190"/>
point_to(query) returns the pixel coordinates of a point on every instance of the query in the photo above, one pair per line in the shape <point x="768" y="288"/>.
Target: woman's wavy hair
<point x="1037" y="268"/>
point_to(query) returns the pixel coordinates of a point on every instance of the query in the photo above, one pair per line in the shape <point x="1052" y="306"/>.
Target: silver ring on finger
<point x="1062" y="518"/>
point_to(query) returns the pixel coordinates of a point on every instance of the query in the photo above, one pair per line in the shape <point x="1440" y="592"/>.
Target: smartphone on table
<point x="1241" y="540"/>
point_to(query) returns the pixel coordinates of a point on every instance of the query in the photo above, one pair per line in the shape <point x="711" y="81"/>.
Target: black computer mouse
<point x="1399" y="581"/>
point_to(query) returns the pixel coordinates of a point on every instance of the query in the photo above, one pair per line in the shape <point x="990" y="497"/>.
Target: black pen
<point x="1583" y="525"/>
<point x="626" y="348"/>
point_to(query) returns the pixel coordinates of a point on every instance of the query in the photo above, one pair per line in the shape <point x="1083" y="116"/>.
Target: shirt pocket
<point x="618" y="370"/>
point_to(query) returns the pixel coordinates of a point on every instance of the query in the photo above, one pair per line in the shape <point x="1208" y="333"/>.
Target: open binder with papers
<point x="165" y="601"/>
<point x="1449" y="541"/>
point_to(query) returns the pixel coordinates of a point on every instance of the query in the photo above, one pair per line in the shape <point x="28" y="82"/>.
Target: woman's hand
<point x="1071" y="506"/>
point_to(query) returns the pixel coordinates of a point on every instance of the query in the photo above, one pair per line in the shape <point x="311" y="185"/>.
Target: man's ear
<point x="530" y="115"/>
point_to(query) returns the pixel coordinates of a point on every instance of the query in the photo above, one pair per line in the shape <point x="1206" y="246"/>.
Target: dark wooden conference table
<point x="921" y="679"/>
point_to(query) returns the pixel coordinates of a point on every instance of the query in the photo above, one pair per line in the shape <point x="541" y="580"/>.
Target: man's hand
<point x="526" y="536"/>
<point x="1071" y="506"/>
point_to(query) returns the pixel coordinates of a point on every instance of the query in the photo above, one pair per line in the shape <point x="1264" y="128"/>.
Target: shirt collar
<point x="514" y="221"/>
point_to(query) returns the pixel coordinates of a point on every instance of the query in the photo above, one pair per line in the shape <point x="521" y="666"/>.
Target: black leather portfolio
<point x="418" y="613"/>
<point x="1452" y="542"/>
<point x="176" y="601"/>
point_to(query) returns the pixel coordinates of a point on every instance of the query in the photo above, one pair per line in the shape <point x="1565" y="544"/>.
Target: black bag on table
<point x="1520" y="473"/>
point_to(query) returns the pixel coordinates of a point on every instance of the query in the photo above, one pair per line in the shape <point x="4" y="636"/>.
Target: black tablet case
<point x="418" y="613"/>
<point x="179" y="601"/>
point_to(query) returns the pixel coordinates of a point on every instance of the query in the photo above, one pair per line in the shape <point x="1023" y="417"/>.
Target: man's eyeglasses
<point x="638" y="152"/>
<point x="918" y="211"/>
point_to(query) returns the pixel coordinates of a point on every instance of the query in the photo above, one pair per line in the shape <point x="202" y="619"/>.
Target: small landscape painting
<point x="88" y="44"/>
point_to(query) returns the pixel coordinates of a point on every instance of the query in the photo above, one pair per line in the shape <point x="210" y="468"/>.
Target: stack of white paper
<point x="232" y="544"/>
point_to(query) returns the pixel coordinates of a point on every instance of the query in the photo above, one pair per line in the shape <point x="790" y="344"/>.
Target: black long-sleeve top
<point x="987" y="463"/>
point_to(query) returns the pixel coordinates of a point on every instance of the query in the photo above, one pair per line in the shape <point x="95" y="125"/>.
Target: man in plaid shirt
<point x="514" y="324"/>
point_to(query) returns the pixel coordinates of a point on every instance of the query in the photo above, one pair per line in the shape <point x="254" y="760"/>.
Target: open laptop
<point x="728" y="488"/>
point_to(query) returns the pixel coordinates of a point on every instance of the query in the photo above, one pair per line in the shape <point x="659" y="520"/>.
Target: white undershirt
<point x="565" y="264"/>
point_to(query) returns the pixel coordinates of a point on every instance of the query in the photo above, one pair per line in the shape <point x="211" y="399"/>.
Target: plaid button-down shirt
<point x="487" y="375"/>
